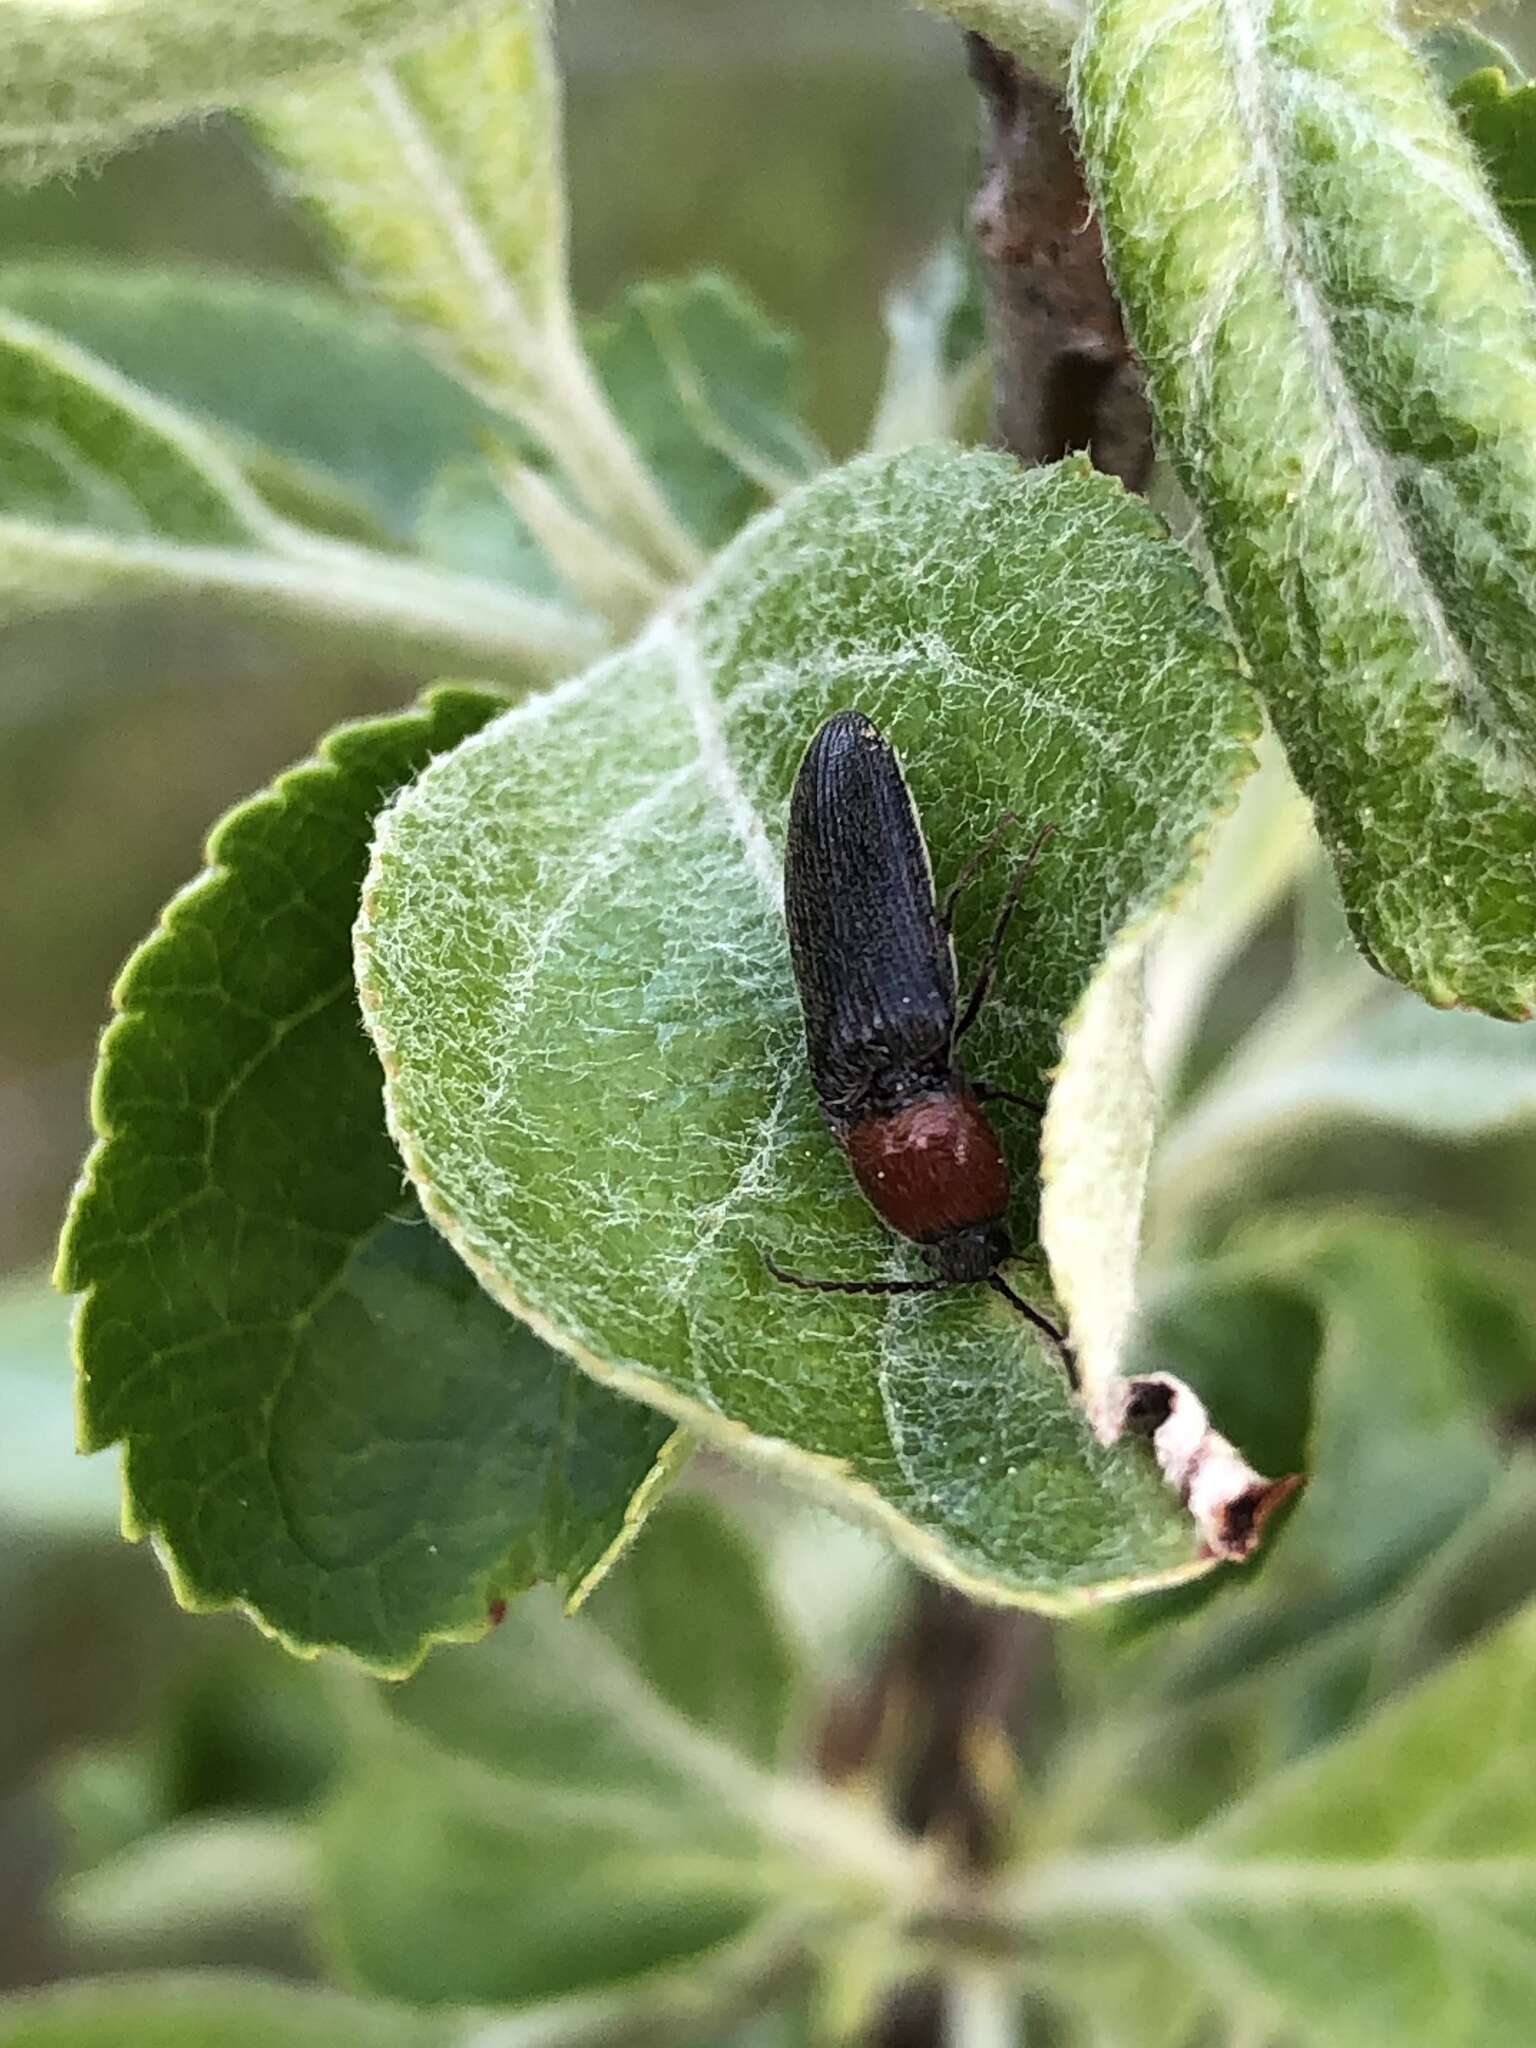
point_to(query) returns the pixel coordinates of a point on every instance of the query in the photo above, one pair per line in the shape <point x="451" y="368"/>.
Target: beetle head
<point x="972" y="1253"/>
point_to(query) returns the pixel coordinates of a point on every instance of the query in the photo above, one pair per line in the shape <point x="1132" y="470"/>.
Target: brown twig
<point x="933" y="1722"/>
<point x="933" y="1726"/>
<point x="1064" y="375"/>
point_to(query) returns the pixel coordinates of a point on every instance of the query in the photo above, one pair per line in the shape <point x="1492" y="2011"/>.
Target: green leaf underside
<point x="78" y="451"/>
<point x="601" y="873"/>
<point x="1382" y="1890"/>
<point x="698" y="375"/>
<point x="653" y="1883"/>
<point x="81" y="83"/>
<point x="1412" y="1540"/>
<point x="1447" y="1077"/>
<point x="467" y="524"/>
<point x="202" y="1876"/>
<point x="721" y="1657"/>
<point x="1341" y="341"/>
<point x="1500" y="122"/>
<point x="439" y="175"/>
<point x="325" y="1420"/>
<point x="578" y="1802"/>
<point x="201" y="2009"/>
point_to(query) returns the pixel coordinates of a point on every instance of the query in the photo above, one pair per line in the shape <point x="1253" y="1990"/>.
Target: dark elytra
<point x="875" y="964"/>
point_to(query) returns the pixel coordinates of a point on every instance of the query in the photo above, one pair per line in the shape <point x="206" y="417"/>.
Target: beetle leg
<point x="851" y="1286"/>
<point x="967" y="874"/>
<point x="982" y="987"/>
<point x="988" y="1091"/>
<point x="1058" y="1337"/>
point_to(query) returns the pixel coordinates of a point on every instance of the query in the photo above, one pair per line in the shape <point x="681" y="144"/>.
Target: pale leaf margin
<point x="1095" y="1155"/>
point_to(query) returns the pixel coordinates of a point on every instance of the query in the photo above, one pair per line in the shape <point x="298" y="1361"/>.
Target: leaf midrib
<point x="478" y="261"/>
<point x="1251" y="67"/>
<point x="1149" y="1885"/>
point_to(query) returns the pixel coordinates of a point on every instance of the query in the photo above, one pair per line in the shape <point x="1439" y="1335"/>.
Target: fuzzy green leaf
<point x="726" y="1999"/>
<point x="202" y="1878"/>
<point x="1383" y="1497"/>
<point x="466" y="523"/>
<point x="1500" y="122"/>
<point x="538" y="1701"/>
<point x="601" y="873"/>
<point x="82" y="448"/>
<point x="444" y="1884"/>
<point x="325" y="1420"/>
<point x="700" y="381"/>
<point x="698" y="375"/>
<point x="107" y="492"/>
<point x="1340" y="336"/>
<point x="439" y="173"/>
<point x="82" y="82"/>
<point x="720" y="1655"/>
<point x="439" y="180"/>
<point x="1412" y="1540"/>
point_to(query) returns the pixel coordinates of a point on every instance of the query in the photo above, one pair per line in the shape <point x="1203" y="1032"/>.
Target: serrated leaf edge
<point x="189" y="1594"/>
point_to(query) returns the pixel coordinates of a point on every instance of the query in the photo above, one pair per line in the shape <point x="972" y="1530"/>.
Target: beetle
<point x="874" y="961"/>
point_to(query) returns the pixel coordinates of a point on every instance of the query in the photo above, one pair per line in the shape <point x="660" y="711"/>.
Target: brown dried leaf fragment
<point x="1228" y="1501"/>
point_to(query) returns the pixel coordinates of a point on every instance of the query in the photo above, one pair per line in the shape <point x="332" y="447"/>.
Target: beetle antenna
<point x="850" y="1286"/>
<point x="1058" y="1337"/>
<point x="967" y="874"/>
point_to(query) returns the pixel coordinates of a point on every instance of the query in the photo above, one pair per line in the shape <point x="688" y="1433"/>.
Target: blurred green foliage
<point x="581" y="1811"/>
